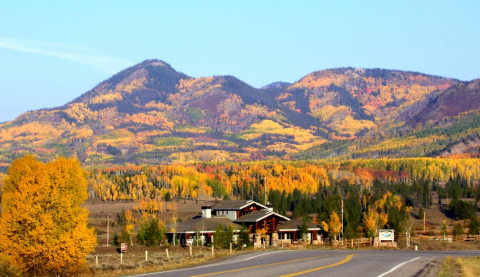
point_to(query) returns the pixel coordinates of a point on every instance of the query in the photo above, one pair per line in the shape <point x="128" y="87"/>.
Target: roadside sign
<point x="386" y="234"/>
<point x="123" y="247"/>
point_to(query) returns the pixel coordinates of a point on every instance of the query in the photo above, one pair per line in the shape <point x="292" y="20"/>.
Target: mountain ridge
<point x="151" y="113"/>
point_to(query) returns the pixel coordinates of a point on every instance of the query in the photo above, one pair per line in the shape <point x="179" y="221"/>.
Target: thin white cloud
<point x="76" y="53"/>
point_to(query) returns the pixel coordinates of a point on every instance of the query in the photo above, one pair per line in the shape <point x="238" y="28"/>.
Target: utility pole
<point x="265" y="190"/>
<point x="108" y="227"/>
<point x="424" y="215"/>
<point x="342" y="221"/>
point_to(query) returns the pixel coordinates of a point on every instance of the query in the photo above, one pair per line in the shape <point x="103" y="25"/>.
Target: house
<point x="253" y="215"/>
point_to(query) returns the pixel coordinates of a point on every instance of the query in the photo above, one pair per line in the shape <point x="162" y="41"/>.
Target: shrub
<point x="458" y="230"/>
<point x="474" y="226"/>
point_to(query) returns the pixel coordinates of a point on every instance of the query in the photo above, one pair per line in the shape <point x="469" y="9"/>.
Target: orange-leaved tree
<point x="43" y="228"/>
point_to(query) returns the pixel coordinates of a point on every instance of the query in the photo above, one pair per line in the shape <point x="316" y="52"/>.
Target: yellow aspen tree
<point x="262" y="233"/>
<point x="43" y="228"/>
<point x="370" y="223"/>
<point x="325" y="226"/>
<point x="334" y="225"/>
<point x="129" y="216"/>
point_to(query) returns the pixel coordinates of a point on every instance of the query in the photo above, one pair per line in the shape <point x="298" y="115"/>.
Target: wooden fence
<point x="467" y="238"/>
<point x="352" y="243"/>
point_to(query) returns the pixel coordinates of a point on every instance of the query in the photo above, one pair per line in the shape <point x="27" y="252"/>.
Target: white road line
<point x="398" y="266"/>
<point x="217" y="264"/>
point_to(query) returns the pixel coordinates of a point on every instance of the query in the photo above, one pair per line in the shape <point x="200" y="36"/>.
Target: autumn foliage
<point x="42" y="226"/>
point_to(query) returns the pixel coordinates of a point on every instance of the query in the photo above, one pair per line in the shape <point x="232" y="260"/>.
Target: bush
<point x="458" y="230"/>
<point x="474" y="226"/>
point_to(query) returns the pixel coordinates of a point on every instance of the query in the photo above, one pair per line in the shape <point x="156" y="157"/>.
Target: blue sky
<point x="53" y="51"/>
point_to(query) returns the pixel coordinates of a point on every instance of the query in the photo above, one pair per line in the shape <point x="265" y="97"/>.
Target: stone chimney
<point x="270" y="207"/>
<point x="206" y="211"/>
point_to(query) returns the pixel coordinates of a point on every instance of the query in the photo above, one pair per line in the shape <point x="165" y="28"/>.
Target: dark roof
<point x="294" y="224"/>
<point x="234" y="204"/>
<point x="203" y="224"/>
<point x="258" y="215"/>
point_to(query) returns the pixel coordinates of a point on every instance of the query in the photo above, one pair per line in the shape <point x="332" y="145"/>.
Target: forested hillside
<point x="152" y="114"/>
<point x="377" y="193"/>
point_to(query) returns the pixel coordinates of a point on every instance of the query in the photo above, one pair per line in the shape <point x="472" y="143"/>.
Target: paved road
<point x="323" y="263"/>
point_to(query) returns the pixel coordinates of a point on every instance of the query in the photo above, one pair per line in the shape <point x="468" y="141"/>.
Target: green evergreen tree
<point x="474" y="226"/>
<point x="348" y="233"/>
<point x="167" y="196"/>
<point x="304" y="228"/>
<point x="115" y="241"/>
<point x="244" y="237"/>
<point x="421" y="214"/>
<point x="219" y="238"/>
<point x="228" y="237"/>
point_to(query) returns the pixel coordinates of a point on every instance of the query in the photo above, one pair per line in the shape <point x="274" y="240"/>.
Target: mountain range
<point x="150" y="114"/>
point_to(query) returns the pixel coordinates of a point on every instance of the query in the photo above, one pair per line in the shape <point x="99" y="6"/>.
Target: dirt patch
<point x="462" y="147"/>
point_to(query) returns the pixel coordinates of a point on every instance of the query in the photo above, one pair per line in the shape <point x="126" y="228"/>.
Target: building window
<point x="285" y="236"/>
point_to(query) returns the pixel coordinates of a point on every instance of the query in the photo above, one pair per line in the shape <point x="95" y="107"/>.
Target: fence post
<point x="352" y="244"/>
<point x="167" y="252"/>
<point x="96" y="260"/>
<point x="213" y="253"/>
<point x="146" y="255"/>
<point x="190" y="250"/>
<point x="121" y="257"/>
<point x="230" y="247"/>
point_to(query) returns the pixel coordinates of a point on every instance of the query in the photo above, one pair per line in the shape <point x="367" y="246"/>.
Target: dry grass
<point x="470" y="266"/>
<point x="463" y="266"/>
<point x="438" y="245"/>
<point x="109" y="264"/>
<point x="449" y="268"/>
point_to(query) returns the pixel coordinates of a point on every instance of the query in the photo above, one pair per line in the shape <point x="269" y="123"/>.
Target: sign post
<point x="123" y="247"/>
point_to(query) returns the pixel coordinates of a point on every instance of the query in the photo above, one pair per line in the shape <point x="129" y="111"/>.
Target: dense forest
<point x="376" y="193"/>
